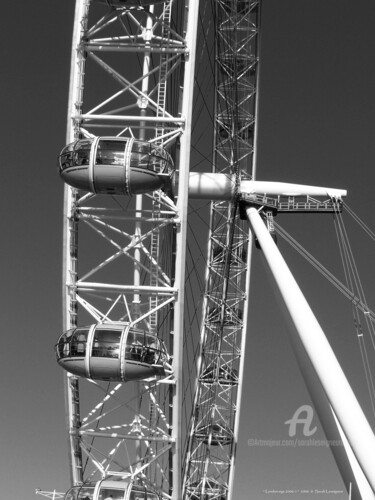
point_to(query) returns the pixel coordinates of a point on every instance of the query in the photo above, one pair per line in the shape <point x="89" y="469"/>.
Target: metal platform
<point x="294" y="204"/>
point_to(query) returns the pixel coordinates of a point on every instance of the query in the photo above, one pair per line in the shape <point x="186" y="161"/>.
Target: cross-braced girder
<point x="131" y="78"/>
<point x="214" y="424"/>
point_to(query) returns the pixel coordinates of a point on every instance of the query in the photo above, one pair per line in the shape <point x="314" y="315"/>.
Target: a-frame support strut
<point x="314" y="342"/>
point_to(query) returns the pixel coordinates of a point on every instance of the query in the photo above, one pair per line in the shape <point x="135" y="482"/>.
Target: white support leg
<point x="320" y="353"/>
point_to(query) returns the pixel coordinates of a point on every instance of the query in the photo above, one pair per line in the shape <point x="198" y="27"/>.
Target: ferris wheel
<point x="159" y="169"/>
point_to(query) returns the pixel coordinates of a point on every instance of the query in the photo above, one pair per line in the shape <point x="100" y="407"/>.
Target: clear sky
<point x="317" y="126"/>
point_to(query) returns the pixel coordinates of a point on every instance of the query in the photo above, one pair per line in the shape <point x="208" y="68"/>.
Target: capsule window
<point x="82" y="151"/>
<point x="159" y="160"/>
<point x="80" y="493"/>
<point x="111" y="493"/>
<point x="66" y="157"/>
<point x="135" y="346"/>
<point x="144" y="348"/>
<point x="110" y="152"/>
<point x="75" y="154"/>
<point x="141" y="147"/>
<point x="63" y="346"/>
<point x="152" y="352"/>
<point x="139" y="160"/>
<point x="138" y="495"/>
<point x="106" y="343"/>
<point x="79" y="342"/>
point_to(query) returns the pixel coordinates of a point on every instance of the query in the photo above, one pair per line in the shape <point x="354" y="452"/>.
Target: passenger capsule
<point x="115" y="165"/>
<point x="111" y="351"/>
<point x="116" y="490"/>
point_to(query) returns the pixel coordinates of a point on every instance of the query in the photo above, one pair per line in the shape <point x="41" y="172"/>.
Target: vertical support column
<point x="320" y="353"/>
<point x="192" y="7"/>
<point x="70" y="234"/>
<point x="142" y="104"/>
<point x="241" y="369"/>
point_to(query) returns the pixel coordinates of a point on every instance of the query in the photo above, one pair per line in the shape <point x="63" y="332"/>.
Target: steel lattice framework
<point x="131" y="77"/>
<point x="124" y="258"/>
<point x="214" y="427"/>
